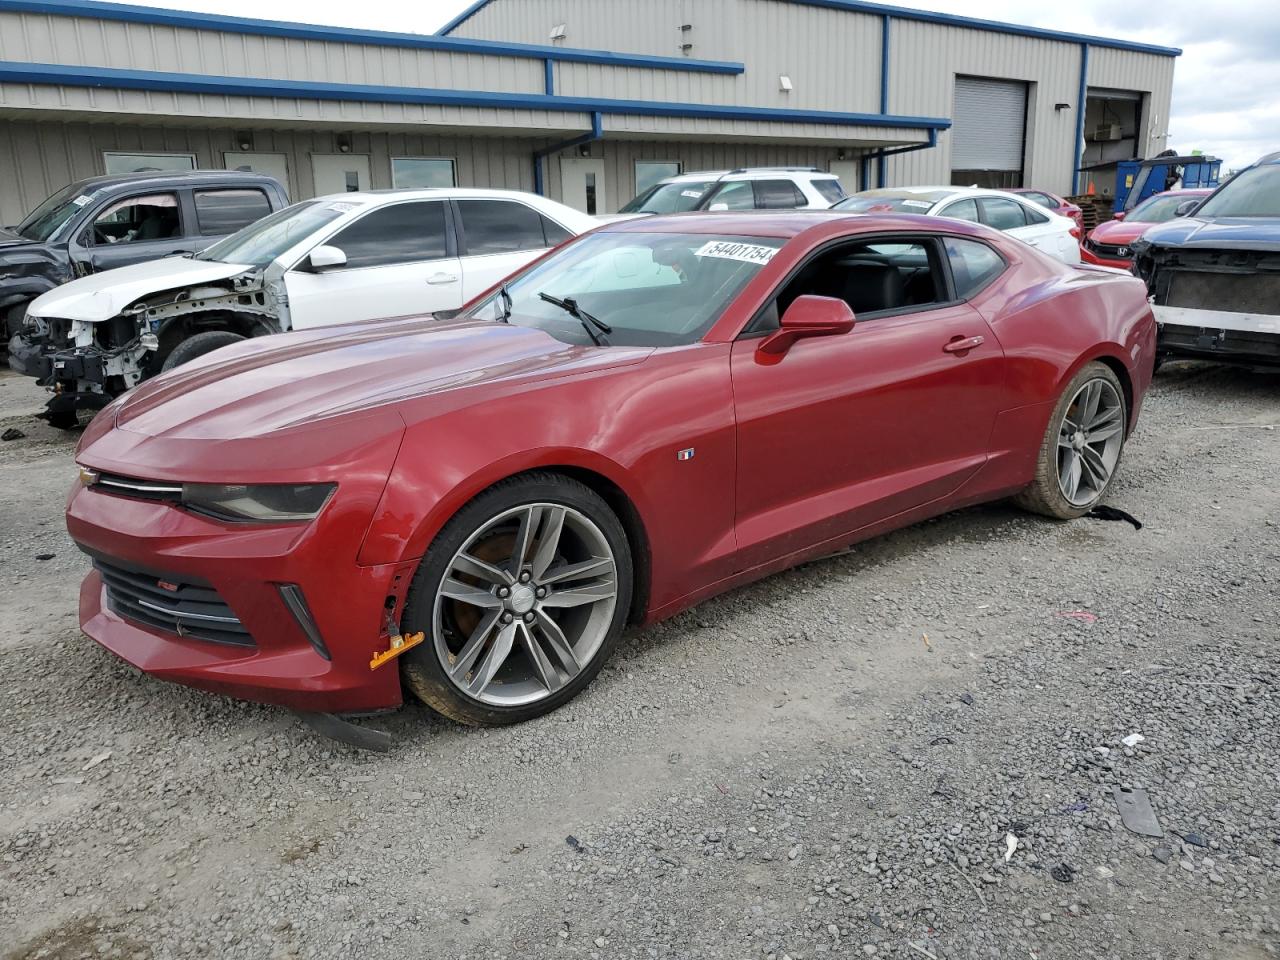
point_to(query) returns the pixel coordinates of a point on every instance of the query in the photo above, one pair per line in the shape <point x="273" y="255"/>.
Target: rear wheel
<point x="1081" y="448"/>
<point x="198" y="346"/>
<point x="522" y="596"/>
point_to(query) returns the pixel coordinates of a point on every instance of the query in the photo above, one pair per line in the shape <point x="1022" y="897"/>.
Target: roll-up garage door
<point x="988" y="124"/>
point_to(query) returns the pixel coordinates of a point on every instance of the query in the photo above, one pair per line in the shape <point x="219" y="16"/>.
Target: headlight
<point x="258" y="503"/>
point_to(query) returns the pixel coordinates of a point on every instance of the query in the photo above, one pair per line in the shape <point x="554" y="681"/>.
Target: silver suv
<point x="747" y="188"/>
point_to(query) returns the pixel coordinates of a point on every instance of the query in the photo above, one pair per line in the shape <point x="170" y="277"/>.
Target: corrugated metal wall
<point x="924" y="61"/>
<point x="41" y="157"/>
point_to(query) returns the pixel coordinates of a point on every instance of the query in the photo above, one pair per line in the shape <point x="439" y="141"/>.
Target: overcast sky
<point x="1224" y="83"/>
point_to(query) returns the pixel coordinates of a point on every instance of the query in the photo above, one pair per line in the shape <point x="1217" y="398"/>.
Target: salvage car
<point x="107" y="222"/>
<point x="345" y="257"/>
<point x="652" y="414"/>
<point x="1053" y="203"/>
<point x="744" y="188"/>
<point x="1057" y="236"/>
<point x="1110" y="244"/>
<point x="1214" y="273"/>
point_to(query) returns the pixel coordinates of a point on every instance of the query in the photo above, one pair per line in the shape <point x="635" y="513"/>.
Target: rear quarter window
<point x="973" y="265"/>
<point x="830" y="190"/>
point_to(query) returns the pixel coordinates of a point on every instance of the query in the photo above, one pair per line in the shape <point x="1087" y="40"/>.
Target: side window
<point x="874" y="277"/>
<point x="962" y="210"/>
<point x="1034" y="216"/>
<point x="830" y="190"/>
<point x="733" y="196"/>
<point x="553" y="233"/>
<point x="220" y="212"/>
<point x="973" y="265"/>
<point x="1003" y="214"/>
<point x="500" y="226"/>
<point x="400" y="233"/>
<point x="778" y="195"/>
<point x="137" y="220"/>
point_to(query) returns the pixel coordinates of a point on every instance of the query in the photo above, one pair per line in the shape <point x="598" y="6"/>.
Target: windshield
<point x="1251" y="193"/>
<point x="1157" y="209"/>
<point x="677" y="197"/>
<point x="45" y="220"/>
<point x="261" y="242"/>
<point x="901" y="203"/>
<point x="650" y="289"/>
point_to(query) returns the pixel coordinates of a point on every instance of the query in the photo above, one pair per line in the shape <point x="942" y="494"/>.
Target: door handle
<point x="962" y="344"/>
<point x="443" y="278"/>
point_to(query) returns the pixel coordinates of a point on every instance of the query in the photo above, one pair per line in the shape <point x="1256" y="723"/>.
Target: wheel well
<point x="632" y="523"/>
<point x="180" y="328"/>
<point x="1122" y="374"/>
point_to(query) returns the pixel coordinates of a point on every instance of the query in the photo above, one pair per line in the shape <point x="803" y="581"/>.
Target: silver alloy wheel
<point x="525" y="604"/>
<point x="1089" y="441"/>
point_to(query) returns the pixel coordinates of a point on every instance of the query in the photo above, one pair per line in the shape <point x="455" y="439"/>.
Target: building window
<point x="147" y="162"/>
<point x="649" y="172"/>
<point x="419" y="172"/>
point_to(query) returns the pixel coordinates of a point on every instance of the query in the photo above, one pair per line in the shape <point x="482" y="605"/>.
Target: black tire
<point x="14" y="318"/>
<point x="198" y="346"/>
<point x="421" y="667"/>
<point x="1044" y="496"/>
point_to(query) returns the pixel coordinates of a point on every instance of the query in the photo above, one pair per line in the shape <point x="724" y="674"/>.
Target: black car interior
<point x="137" y="222"/>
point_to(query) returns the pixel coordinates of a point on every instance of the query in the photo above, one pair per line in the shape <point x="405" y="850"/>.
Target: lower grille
<point x="183" y="606"/>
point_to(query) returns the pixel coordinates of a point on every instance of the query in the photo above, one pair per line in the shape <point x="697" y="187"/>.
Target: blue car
<point x="1213" y="273"/>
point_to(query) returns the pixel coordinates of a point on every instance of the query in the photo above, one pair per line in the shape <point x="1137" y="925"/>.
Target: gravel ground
<point x="828" y="763"/>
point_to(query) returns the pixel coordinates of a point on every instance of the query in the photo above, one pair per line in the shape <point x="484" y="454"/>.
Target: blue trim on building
<point x="926" y="16"/>
<point x="597" y="131"/>
<point x="994" y="26"/>
<point x="462" y="18"/>
<point x="76" y="76"/>
<point x="549" y="77"/>
<point x="127" y="13"/>
<point x="1082" y="101"/>
<point x="885" y="21"/>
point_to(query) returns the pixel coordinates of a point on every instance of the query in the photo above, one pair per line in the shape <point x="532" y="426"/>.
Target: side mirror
<point x="1186" y="208"/>
<point x="808" y="316"/>
<point x="718" y="207"/>
<point x="1121" y="215"/>
<point x="325" y="258"/>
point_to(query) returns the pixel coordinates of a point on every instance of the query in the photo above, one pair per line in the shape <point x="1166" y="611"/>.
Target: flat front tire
<point x="522" y="596"/>
<point x="1082" y="445"/>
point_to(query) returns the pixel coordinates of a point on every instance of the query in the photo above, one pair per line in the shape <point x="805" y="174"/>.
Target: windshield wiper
<point x="589" y="323"/>
<point x="505" y="294"/>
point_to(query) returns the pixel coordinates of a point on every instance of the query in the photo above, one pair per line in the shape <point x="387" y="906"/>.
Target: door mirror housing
<point x="1121" y="215"/>
<point x="1186" y="208"/>
<point x="325" y="257"/>
<point x="808" y="316"/>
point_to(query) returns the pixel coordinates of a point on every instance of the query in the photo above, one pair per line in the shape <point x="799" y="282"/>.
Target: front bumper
<point x="245" y="566"/>
<point x="1227" y="337"/>
<point x="29" y="357"/>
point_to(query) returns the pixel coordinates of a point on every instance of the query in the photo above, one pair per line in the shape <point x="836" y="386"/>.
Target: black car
<point x="113" y="221"/>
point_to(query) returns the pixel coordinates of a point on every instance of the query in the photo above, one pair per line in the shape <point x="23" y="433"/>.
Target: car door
<point x="851" y="429"/>
<point x="133" y="228"/>
<point x="221" y="211"/>
<point x="400" y="259"/>
<point x="498" y="237"/>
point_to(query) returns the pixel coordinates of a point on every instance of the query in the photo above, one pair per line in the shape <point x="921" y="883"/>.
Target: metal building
<point x="581" y="99"/>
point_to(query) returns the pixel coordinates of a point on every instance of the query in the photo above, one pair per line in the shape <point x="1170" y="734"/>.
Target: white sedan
<point x="1056" y="236"/>
<point x="334" y="259"/>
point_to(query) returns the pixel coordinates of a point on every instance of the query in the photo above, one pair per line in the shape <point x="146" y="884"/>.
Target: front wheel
<point x="522" y="596"/>
<point x="198" y="346"/>
<point x="1081" y="448"/>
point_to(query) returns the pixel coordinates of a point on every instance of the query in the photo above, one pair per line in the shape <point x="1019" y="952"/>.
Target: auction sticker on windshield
<point x="920" y="204"/>
<point x="728" y="250"/>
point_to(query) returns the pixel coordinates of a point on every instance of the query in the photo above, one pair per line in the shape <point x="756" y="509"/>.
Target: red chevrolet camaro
<point x="653" y="413"/>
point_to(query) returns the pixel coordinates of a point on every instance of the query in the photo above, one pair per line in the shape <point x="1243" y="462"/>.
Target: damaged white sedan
<point x="335" y="259"/>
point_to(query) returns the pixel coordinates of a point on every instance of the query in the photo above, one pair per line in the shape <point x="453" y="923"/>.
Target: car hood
<point x="1242" y="233"/>
<point x="289" y="380"/>
<point x="1118" y="233"/>
<point x="102" y="296"/>
<point x="10" y="239"/>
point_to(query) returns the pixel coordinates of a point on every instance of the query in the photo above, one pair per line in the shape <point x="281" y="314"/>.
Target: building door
<point x="582" y="185"/>
<point x="988" y="132"/>
<point x="339" y="172"/>
<point x="849" y="173"/>
<point x="270" y="164"/>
